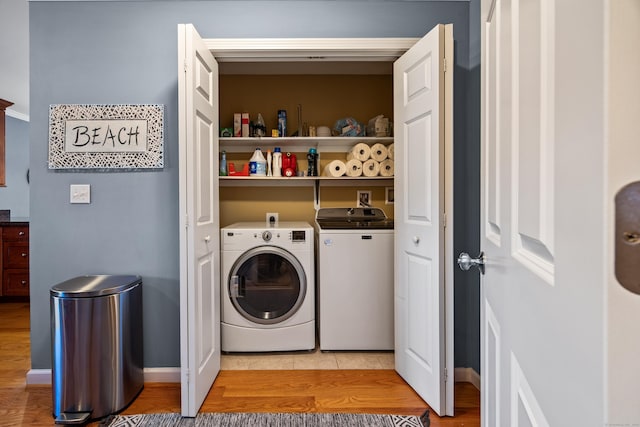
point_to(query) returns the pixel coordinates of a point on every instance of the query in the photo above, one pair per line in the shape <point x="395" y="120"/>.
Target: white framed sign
<point x="83" y="136"/>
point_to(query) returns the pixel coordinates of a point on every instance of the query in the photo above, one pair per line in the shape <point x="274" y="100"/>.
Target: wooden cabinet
<point x="14" y="259"/>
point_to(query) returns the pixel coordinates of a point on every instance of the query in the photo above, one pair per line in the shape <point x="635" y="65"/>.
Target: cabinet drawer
<point x="15" y="283"/>
<point x="15" y="255"/>
<point x="15" y="234"/>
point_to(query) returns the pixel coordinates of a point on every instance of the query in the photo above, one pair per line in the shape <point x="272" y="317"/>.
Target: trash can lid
<point x="94" y="286"/>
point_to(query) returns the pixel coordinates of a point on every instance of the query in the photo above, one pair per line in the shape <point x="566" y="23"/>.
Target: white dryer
<point x="268" y="287"/>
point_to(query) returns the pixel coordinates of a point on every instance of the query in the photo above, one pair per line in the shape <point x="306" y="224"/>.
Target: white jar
<point x="276" y="164"/>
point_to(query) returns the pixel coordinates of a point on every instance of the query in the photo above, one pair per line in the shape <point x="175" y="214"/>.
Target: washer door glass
<point x="267" y="285"/>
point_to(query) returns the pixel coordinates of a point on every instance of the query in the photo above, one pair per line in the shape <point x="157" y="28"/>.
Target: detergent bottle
<point x="258" y="164"/>
<point x="312" y="158"/>
<point x="269" y="160"/>
<point x="276" y="165"/>
<point x="289" y="165"/>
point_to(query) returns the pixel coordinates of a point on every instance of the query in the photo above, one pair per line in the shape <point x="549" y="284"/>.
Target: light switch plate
<point x="79" y="193"/>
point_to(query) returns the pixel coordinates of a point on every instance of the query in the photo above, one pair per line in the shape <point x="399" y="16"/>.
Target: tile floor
<point x="308" y="360"/>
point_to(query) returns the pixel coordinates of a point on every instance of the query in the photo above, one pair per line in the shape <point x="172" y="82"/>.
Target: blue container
<point x="282" y="122"/>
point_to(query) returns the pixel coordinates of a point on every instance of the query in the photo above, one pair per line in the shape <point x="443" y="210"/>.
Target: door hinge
<point x="446" y="375"/>
<point x="444" y="220"/>
<point x="186" y="221"/>
<point x="186" y="65"/>
<point x="187" y="375"/>
<point x="444" y="64"/>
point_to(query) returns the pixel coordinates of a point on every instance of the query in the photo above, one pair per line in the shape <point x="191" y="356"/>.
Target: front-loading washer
<point x="268" y="287"/>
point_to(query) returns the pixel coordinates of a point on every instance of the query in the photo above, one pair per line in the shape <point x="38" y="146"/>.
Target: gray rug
<point x="268" y="420"/>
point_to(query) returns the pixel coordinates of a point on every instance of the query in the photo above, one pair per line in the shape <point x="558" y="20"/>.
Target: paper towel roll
<point x="386" y="167"/>
<point x="360" y="152"/>
<point x="390" y="151"/>
<point x="378" y="152"/>
<point x="370" y="168"/>
<point x="335" y="169"/>
<point x="354" y="167"/>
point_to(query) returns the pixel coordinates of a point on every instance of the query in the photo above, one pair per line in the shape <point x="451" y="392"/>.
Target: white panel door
<point x="423" y="191"/>
<point x="199" y="219"/>
<point x="517" y="215"/>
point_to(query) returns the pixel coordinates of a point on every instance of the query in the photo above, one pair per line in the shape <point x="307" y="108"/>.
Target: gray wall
<point x="14" y="51"/>
<point x="15" y="196"/>
<point x="126" y="52"/>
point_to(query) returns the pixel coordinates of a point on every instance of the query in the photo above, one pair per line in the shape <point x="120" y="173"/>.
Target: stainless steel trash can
<point x="96" y="346"/>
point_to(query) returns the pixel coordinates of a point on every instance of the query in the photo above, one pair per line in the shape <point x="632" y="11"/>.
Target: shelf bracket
<point x="316" y="194"/>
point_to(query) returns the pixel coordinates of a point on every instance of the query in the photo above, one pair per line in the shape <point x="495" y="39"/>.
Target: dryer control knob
<point x="266" y="236"/>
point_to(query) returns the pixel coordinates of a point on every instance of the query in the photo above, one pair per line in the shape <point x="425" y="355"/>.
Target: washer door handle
<point x="237" y="287"/>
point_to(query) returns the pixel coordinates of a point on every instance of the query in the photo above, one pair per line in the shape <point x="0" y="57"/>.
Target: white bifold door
<point x="199" y="219"/>
<point x="423" y="129"/>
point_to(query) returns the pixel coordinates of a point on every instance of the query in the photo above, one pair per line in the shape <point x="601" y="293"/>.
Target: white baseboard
<point x="161" y="375"/>
<point x="151" y="375"/>
<point x="39" y="376"/>
<point x="467" y="375"/>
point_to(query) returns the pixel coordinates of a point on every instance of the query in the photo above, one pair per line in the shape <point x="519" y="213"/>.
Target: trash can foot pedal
<point x="73" y="418"/>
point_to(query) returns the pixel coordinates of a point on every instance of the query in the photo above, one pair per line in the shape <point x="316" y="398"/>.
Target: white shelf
<point x="303" y="181"/>
<point x="334" y="144"/>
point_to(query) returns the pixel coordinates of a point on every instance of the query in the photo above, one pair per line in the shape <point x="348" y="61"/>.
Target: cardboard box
<point x="237" y="124"/>
<point x="245" y="125"/>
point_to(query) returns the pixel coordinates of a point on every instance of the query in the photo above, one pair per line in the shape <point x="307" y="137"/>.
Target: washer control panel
<point x="295" y="235"/>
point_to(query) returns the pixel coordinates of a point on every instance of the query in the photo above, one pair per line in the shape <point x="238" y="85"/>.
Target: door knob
<point x="207" y="239"/>
<point x="416" y="239"/>
<point x="466" y="262"/>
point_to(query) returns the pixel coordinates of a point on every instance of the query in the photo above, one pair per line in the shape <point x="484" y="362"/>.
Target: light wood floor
<point x="305" y="390"/>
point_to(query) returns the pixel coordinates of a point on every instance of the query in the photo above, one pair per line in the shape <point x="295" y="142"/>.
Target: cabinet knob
<point x="21" y="233"/>
<point x="24" y="255"/>
<point x="23" y="282"/>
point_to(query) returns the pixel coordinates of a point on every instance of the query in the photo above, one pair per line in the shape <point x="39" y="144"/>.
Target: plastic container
<point x="276" y="162"/>
<point x="269" y="161"/>
<point x="282" y="122"/>
<point x="259" y="127"/>
<point x="223" y="164"/>
<point x="289" y="165"/>
<point x="258" y="164"/>
<point x="312" y="159"/>
<point x="96" y="345"/>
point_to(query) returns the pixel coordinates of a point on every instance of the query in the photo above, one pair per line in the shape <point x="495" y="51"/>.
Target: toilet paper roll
<point x="390" y="151"/>
<point x="370" y="168"/>
<point x="386" y="167"/>
<point x="354" y="167"/>
<point x="379" y="152"/>
<point x="360" y="152"/>
<point x="336" y="168"/>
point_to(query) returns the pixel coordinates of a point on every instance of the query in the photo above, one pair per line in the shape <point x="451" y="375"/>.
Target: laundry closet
<point x="274" y="298"/>
<point x="415" y="92"/>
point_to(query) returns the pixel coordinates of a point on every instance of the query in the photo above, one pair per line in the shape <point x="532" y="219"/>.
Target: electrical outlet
<point x="272" y="217"/>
